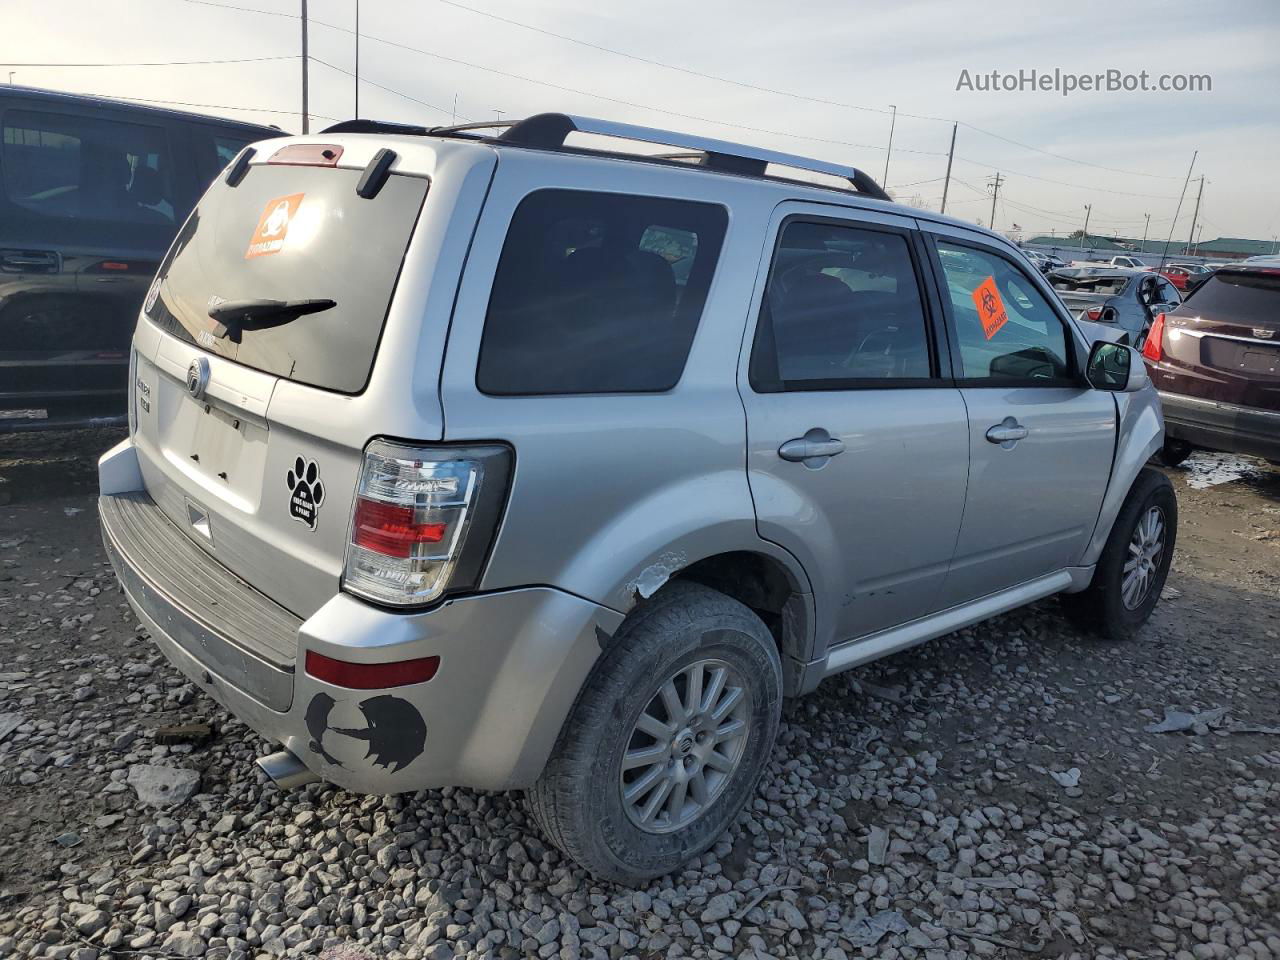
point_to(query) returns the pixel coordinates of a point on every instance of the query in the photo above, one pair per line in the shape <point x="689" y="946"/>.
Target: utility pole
<point x="995" y="194"/>
<point x="453" y="116"/>
<point x="1084" y="234"/>
<point x="306" y="123"/>
<point x="1144" y="232"/>
<point x="357" y="107"/>
<point x="893" y="120"/>
<point x="1199" y="193"/>
<point x="950" y="156"/>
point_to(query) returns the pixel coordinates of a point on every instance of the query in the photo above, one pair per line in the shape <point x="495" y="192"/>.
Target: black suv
<point x="92" y="192"/>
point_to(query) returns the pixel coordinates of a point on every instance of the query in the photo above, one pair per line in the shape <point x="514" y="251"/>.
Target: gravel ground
<point x="997" y="792"/>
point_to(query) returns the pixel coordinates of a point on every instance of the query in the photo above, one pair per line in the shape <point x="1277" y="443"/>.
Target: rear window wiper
<point x="235" y="316"/>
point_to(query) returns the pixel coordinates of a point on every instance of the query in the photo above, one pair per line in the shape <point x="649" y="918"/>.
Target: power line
<point x="155" y="63"/>
<point x="398" y="93"/>
<point x="787" y="93"/>
<point x="626" y="103"/>
<point x="229" y="6"/>
<point x="205" y="106"/>
<point x="1063" y="183"/>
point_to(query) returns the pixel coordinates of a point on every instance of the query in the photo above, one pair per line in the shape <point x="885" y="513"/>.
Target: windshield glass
<point x="290" y="233"/>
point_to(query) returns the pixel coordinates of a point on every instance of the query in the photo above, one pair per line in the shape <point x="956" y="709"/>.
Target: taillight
<point x="1094" y="314"/>
<point x="423" y="520"/>
<point x="1153" y="349"/>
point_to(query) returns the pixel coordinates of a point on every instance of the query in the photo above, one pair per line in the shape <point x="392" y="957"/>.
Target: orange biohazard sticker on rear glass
<point x="990" y="307"/>
<point x="273" y="226"/>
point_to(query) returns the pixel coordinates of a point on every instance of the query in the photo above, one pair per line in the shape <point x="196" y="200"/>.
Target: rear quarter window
<point x="598" y="293"/>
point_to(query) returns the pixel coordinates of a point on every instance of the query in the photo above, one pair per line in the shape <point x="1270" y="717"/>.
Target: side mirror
<point x="1116" y="367"/>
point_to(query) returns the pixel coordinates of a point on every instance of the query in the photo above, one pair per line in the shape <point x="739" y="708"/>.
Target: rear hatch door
<point x="1223" y="343"/>
<point x="250" y="409"/>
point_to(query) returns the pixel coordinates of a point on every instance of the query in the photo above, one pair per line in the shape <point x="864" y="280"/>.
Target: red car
<point x="1180" y="277"/>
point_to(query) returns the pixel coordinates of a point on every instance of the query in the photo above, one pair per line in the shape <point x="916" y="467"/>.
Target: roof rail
<point x="549" y="131"/>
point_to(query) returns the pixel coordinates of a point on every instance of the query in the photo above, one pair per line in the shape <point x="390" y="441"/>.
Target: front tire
<point x="1134" y="565"/>
<point x="667" y="741"/>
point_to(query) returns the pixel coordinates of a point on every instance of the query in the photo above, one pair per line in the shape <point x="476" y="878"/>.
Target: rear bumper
<point x="511" y="663"/>
<point x="1222" y="426"/>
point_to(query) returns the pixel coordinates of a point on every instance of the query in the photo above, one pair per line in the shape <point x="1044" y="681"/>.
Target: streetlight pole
<point x="893" y="121"/>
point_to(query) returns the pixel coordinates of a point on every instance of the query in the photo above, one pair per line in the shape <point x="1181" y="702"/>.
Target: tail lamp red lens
<point x="1153" y="349"/>
<point x="371" y="676"/>
<point x="412" y="519"/>
<point x="390" y="528"/>
<point x="1094" y="314"/>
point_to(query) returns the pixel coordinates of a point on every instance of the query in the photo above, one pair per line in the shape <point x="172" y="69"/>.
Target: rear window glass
<point x="598" y="293"/>
<point x="1251" y="297"/>
<point x="86" y="168"/>
<point x="1101" y="285"/>
<point x="287" y="234"/>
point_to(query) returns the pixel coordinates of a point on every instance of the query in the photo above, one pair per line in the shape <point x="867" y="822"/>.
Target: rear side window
<point x="288" y="235"/>
<point x="86" y="168"/>
<point x="1251" y="297"/>
<point x="598" y="293"/>
<point x="842" y="309"/>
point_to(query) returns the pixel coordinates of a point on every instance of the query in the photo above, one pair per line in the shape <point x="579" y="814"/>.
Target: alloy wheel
<point x="1146" y="551"/>
<point x="685" y="746"/>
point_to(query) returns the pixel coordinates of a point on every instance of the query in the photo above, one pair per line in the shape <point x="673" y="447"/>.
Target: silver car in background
<point x="1128" y="299"/>
<point x="514" y="461"/>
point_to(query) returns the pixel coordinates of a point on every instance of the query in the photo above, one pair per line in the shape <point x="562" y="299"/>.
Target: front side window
<point x="1005" y="330"/>
<point x="86" y="168"/>
<point x="842" y="309"/>
<point x="598" y="293"/>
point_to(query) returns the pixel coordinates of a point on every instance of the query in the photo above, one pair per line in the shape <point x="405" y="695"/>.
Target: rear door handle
<point x="1007" y="432"/>
<point x="815" y="447"/>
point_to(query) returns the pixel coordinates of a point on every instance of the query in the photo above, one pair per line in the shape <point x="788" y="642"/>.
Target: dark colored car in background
<point x="1216" y="362"/>
<point x="92" y="192"/>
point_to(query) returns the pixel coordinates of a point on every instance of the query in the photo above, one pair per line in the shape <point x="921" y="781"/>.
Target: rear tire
<point x="1174" y="451"/>
<point x="703" y="768"/>
<point x="1132" y="570"/>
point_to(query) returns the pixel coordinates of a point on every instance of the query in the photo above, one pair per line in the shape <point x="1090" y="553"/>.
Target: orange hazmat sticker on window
<point x="273" y="226"/>
<point x="990" y="307"/>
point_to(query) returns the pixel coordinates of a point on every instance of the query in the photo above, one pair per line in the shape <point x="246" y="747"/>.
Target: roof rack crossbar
<point x="550" y="130"/>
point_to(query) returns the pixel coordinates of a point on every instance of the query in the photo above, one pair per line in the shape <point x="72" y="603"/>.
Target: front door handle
<point x="1007" y="433"/>
<point x="813" y="449"/>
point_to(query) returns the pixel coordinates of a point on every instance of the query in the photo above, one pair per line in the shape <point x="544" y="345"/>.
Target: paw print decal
<point x="306" y="491"/>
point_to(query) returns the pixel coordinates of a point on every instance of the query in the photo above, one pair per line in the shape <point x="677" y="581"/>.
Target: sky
<point x="817" y="78"/>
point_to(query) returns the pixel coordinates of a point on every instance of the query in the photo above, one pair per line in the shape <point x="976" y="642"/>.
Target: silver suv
<point x="531" y="461"/>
